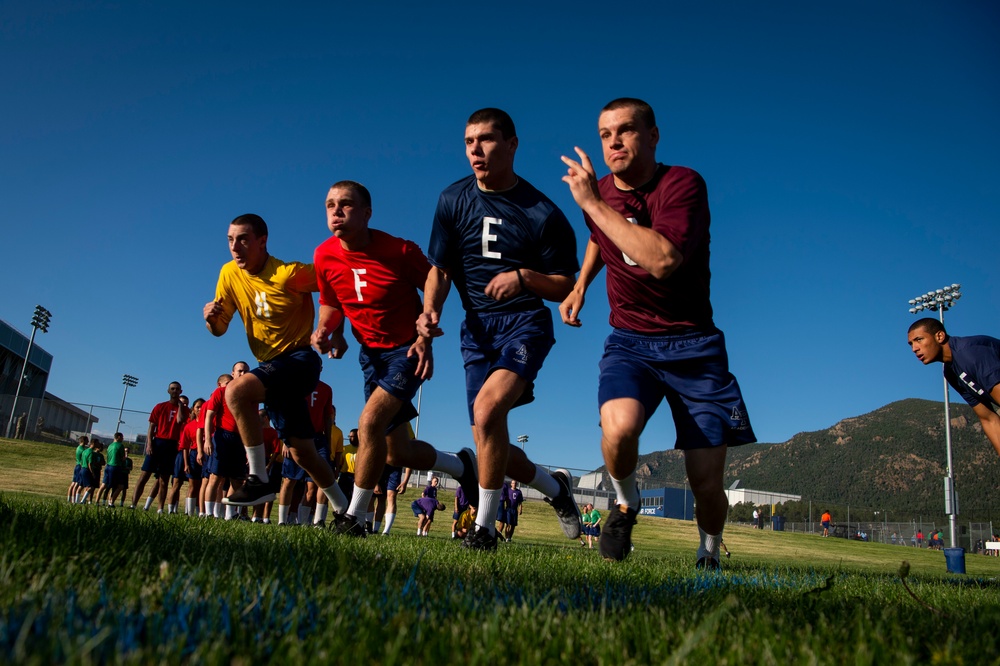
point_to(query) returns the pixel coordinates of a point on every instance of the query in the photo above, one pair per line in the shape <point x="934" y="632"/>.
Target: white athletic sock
<point x="337" y="498"/>
<point x="258" y="462"/>
<point x="489" y="502"/>
<point x="283" y="510"/>
<point x="627" y="491"/>
<point x="219" y="506"/>
<point x="370" y="517"/>
<point x="389" y="519"/>
<point x="210" y="509"/>
<point x="448" y="463"/>
<point x="149" y="503"/>
<point x="305" y="514"/>
<point x="173" y="508"/>
<point x="544" y="483"/>
<point x="320" y="515"/>
<point x="191" y="506"/>
<point x="419" y="532"/>
<point x="266" y="521"/>
<point x="359" y="503"/>
<point x="230" y="512"/>
<point x="709" y="546"/>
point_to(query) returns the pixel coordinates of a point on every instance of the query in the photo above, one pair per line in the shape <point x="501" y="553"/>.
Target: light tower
<point x="39" y="321"/>
<point x="942" y="300"/>
<point x="127" y="380"/>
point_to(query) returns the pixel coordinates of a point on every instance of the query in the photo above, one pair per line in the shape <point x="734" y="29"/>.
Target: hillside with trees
<point x="892" y="458"/>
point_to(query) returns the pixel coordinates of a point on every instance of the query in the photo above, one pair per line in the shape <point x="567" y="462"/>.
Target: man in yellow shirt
<point x="274" y="300"/>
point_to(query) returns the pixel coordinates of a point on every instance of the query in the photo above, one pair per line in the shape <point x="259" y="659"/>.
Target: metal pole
<point x="20" y="379"/>
<point x="121" y="409"/>
<point x="420" y="397"/>
<point x="952" y="513"/>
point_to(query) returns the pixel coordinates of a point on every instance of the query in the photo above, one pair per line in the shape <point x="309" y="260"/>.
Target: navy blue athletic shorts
<point x="76" y="474"/>
<point x="391" y="477"/>
<point x="691" y="371"/>
<point x="287" y="380"/>
<point x="230" y="454"/>
<point x="195" y="467"/>
<point x="160" y="463"/>
<point x="417" y="509"/>
<point x="511" y="518"/>
<point x="515" y="341"/>
<point x="179" y="472"/>
<point x="86" y="478"/>
<point x="393" y="372"/>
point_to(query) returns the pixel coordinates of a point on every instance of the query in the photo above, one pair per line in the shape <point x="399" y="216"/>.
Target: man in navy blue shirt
<point x="971" y="366"/>
<point x="508" y="249"/>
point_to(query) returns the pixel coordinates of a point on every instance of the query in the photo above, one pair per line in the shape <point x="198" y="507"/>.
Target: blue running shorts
<point x="690" y="370"/>
<point x="393" y="372"/>
<point x="515" y="341"/>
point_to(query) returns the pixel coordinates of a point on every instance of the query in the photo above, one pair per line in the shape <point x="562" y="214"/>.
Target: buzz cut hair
<point x="255" y="222"/>
<point x="929" y="324"/>
<point x="642" y="109"/>
<point x="496" y="117"/>
<point x="354" y="186"/>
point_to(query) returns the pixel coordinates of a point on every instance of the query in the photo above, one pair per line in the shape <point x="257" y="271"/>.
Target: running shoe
<point x="615" y="542"/>
<point x="480" y="539"/>
<point x="254" y="492"/>
<point x="565" y="506"/>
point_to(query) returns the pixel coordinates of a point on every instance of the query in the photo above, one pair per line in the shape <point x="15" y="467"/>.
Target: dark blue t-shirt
<point x="975" y="367"/>
<point x="478" y="235"/>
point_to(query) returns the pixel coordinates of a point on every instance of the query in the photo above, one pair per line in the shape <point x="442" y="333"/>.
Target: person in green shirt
<point x="93" y="459"/>
<point x="114" y="473"/>
<point x="591" y="524"/>
<point x="73" y="494"/>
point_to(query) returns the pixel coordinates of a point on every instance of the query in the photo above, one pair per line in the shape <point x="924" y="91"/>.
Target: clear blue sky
<point x="850" y="152"/>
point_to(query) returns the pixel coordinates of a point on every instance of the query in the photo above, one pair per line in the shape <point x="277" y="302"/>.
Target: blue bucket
<point x="955" y="560"/>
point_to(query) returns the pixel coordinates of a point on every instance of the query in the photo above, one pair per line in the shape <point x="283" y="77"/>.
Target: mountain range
<point x="892" y="458"/>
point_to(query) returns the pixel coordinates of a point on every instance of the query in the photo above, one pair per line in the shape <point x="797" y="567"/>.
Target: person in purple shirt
<point x="423" y="510"/>
<point x="513" y="499"/>
<point x="649" y="226"/>
<point x="971" y="366"/>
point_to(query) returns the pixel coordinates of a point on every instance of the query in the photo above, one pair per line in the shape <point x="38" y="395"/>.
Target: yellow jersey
<point x="350" y="453"/>
<point x="336" y="440"/>
<point x="276" y="305"/>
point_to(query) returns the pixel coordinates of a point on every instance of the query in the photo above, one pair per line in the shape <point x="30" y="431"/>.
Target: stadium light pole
<point x="40" y="320"/>
<point x="127" y="380"/>
<point x="942" y="300"/>
<point x="522" y="440"/>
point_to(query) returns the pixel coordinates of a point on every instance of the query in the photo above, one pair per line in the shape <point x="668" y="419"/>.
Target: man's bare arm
<point x="990" y="420"/>
<point x="435" y="292"/>
<point x="593" y="262"/>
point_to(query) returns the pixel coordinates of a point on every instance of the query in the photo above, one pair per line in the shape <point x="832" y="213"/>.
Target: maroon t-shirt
<point x="675" y="204"/>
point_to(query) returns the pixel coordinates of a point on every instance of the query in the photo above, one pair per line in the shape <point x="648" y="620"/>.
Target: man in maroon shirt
<point x="649" y="225"/>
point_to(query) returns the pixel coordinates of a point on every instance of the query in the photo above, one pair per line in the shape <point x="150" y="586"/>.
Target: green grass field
<point x="97" y="585"/>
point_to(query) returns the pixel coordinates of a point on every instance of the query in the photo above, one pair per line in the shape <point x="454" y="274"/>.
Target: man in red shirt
<point x="227" y="457"/>
<point x="165" y="424"/>
<point x="321" y="413"/>
<point x="372" y="279"/>
<point x="186" y="467"/>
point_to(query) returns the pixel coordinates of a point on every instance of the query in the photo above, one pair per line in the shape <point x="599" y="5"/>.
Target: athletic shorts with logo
<point x="394" y="373"/>
<point x="515" y="341"/>
<point x="690" y="371"/>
